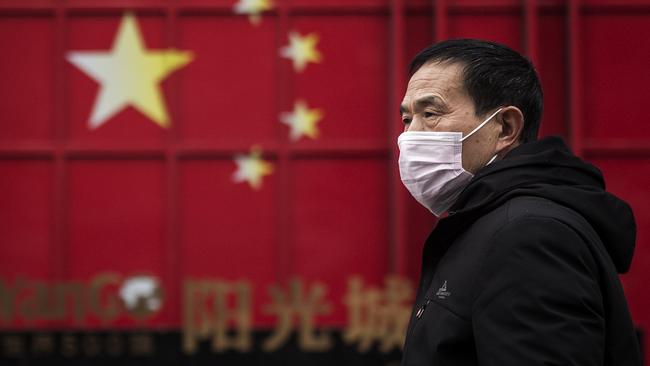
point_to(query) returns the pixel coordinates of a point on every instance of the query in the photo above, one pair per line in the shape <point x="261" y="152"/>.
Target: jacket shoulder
<point x="535" y="209"/>
<point x="539" y="223"/>
<point x="531" y="207"/>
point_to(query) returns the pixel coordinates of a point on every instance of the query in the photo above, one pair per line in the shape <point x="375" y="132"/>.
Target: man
<point x="523" y="268"/>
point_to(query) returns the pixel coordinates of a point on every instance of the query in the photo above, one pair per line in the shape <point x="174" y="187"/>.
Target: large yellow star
<point x="302" y="121"/>
<point x="129" y="75"/>
<point x="253" y="8"/>
<point x="251" y="168"/>
<point x="302" y="50"/>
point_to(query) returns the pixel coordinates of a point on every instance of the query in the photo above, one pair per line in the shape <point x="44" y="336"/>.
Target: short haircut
<point x="493" y="76"/>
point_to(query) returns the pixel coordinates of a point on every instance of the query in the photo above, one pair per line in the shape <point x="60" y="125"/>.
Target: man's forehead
<point x="437" y="75"/>
<point x="439" y="79"/>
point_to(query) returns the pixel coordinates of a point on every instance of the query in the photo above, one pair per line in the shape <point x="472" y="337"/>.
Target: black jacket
<point x="524" y="270"/>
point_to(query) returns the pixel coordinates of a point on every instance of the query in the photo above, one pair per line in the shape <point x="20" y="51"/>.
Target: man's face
<point x="435" y="100"/>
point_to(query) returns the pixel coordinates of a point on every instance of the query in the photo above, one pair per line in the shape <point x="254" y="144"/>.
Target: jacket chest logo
<point x="442" y="291"/>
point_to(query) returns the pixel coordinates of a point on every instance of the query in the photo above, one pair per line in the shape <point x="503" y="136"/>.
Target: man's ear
<point x="512" y="125"/>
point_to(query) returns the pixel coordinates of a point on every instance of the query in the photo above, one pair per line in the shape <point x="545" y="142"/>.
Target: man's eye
<point x="406" y="120"/>
<point x="428" y="114"/>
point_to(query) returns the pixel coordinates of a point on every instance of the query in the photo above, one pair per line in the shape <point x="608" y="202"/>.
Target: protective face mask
<point x="431" y="167"/>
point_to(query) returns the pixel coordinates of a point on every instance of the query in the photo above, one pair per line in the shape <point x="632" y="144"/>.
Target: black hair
<point x="493" y="75"/>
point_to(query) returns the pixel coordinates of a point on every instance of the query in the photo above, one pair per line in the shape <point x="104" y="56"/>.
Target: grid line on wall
<point x="574" y="87"/>
<point x="398" y="250"/>
<point x="440" y="17"/>
<point x="172" y="255"/>
<point x="60" y="218"/>
<point x="530" y="28"/>
<point x="283" y="261"/>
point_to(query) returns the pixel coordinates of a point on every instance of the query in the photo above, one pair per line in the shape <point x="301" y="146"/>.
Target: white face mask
<point x="431" y="166"/>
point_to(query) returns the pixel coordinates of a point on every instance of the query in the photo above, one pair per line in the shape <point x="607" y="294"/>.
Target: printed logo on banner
<point x="216" y="310"/>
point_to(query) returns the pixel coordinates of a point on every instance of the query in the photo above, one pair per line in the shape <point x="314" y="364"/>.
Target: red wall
<point x="132" y="197"/>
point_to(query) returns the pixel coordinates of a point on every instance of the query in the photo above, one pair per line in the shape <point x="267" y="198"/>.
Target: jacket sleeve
<point x="537" y="300"/>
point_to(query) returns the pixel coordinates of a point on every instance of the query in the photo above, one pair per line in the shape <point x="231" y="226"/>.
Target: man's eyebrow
<point x="430" y="100"/>
<point x="425" y="101"/>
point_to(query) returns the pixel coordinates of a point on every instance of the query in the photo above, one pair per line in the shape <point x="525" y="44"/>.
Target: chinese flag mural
<point x="208" y="182"/>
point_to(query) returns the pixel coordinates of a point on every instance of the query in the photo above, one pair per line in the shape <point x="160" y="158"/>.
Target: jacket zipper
<point x="418" y="315"/>
<point x="420" y="311"/>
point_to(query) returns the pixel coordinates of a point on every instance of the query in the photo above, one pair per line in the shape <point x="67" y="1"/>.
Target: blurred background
<point x="201" y="181"/>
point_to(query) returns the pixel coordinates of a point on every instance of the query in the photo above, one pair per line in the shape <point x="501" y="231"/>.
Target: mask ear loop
<point x="491" y="160"/>
<point x="482" y="124"/>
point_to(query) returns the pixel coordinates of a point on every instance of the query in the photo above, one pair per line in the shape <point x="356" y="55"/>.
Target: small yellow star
<point x="251" y="168"/>
<point x="253" y="8"/>
<point x="302" y="121"/>
<point x="301" y="50"/>
<point x="129" y="74"/>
